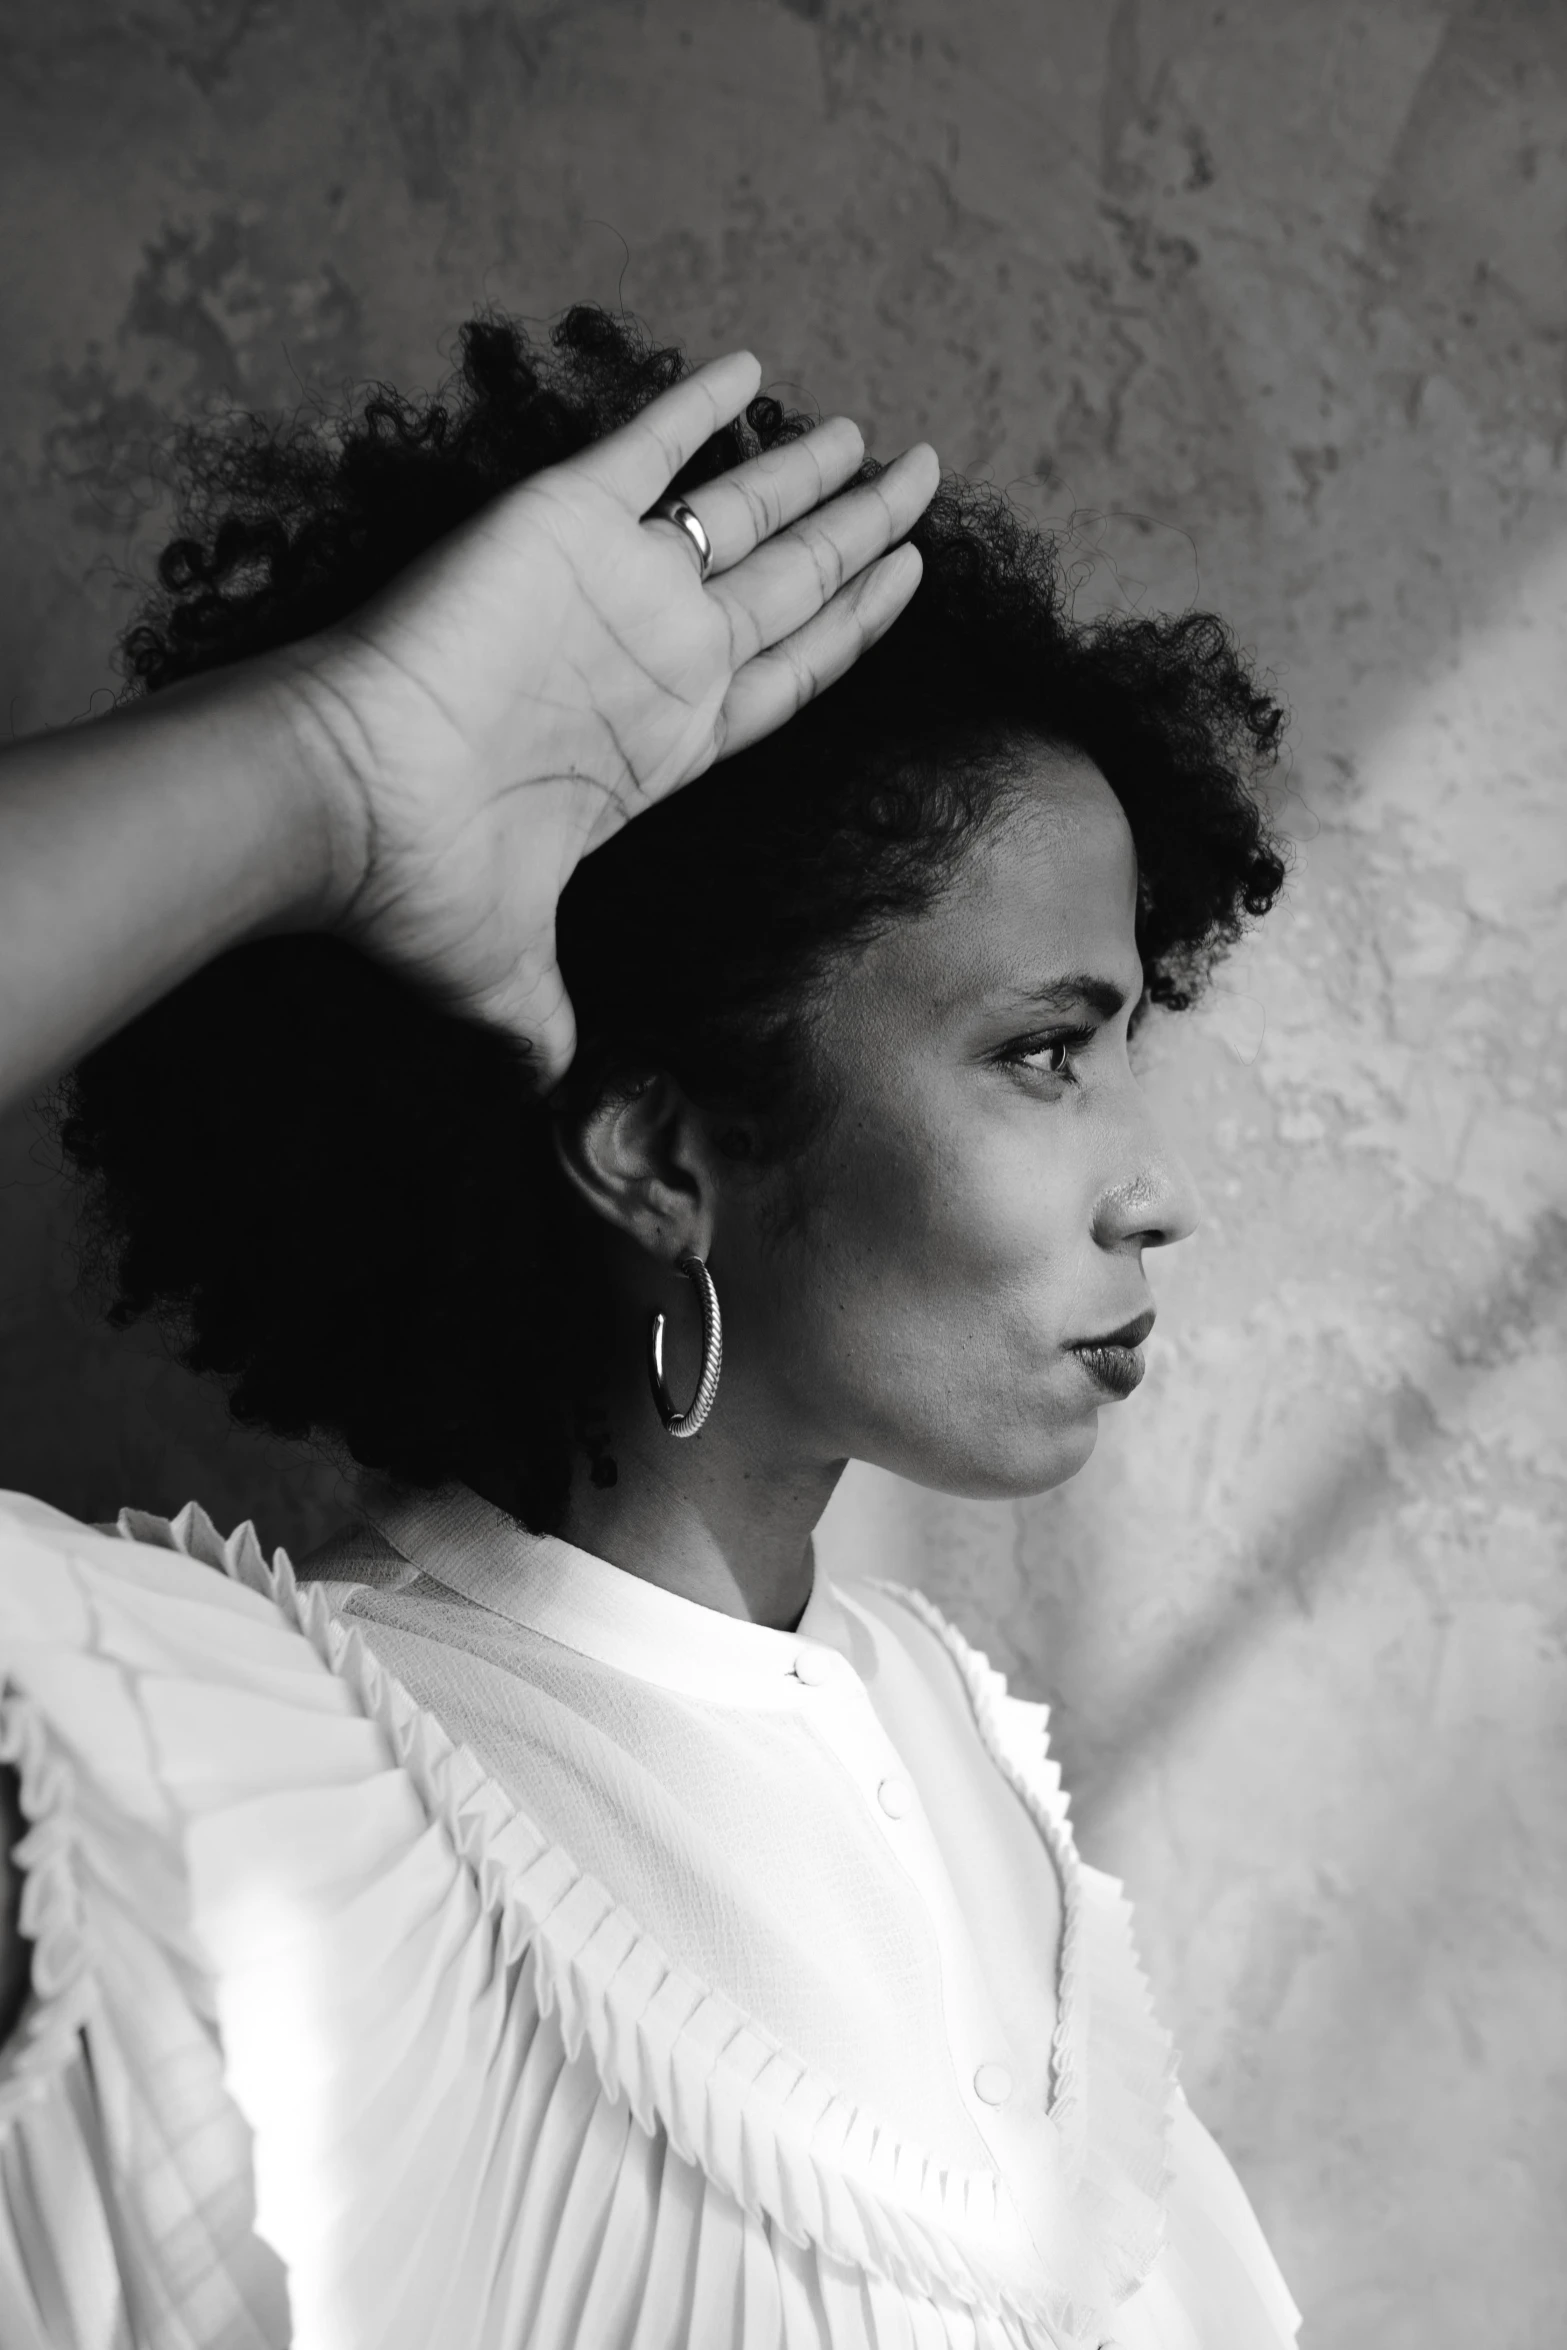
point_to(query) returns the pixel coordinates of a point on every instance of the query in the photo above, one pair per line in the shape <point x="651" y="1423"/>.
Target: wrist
<point x="301" y="820"/>
<point x="321" y="759"/>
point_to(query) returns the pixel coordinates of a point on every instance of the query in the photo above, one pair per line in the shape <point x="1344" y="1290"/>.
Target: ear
<point x="642" y="1160"/>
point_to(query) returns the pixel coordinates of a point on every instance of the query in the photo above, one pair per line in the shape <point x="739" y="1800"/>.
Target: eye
<point x="1051" y="1056"/>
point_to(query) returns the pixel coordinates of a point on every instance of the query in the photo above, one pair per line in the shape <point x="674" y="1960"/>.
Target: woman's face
<point x="976" y="1214"/>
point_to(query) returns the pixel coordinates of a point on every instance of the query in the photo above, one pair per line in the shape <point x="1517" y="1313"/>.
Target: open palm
<point x="558" y="664"/>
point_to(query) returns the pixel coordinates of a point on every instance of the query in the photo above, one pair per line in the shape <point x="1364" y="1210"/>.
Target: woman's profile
<point x="555" y="1912"/>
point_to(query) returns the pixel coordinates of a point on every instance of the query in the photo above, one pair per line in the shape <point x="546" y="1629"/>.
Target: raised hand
<point x="558" y="664"/>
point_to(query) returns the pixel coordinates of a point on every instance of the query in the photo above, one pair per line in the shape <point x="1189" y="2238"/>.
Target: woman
<point x="605" y="1930"/>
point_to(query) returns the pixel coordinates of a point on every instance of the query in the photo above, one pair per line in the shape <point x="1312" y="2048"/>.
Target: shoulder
<point x="1015" y="1730"/>
<point x="902" y="1608"/>
<point x="910" y="1617"/>
<point x="116" y="1656"/>
<point x="218" y="1841"/>
<point x="139" y="1663"/>
<point x="143" y="1669"/>
<point x="63" y="1583"/>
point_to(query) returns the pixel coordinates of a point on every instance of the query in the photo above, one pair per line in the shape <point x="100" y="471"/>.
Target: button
<point x="896" y="1798"/>
<point x="992" y="2084"/>
<point x="814" y="1667"/>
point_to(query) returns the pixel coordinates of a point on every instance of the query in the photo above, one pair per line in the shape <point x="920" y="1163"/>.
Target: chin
<point x="1034" y="1461"/>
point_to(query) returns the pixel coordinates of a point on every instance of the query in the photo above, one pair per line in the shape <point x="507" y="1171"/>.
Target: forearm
<point x="134" y="848"/>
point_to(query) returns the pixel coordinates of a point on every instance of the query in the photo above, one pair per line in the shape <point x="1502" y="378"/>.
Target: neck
<point x="723" y="1518"/>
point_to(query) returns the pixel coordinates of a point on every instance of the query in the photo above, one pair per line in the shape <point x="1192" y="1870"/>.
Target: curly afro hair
<point x="342" y="1197"/>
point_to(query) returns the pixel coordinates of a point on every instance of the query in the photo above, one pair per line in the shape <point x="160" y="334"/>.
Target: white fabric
<point x="333" y="2031"/>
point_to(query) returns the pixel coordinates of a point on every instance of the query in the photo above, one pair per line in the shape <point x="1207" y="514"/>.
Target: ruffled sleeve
<point x="125" y="2200"/>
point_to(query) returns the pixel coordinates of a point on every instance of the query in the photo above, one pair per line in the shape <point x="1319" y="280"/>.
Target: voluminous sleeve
<point x="126" y="2202"/>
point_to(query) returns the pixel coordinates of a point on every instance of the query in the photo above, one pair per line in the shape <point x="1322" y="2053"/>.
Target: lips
<point x="1115" y="1362"/>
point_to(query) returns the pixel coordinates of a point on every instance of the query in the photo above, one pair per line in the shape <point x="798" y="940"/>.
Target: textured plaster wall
<point x="1268" y="301"/>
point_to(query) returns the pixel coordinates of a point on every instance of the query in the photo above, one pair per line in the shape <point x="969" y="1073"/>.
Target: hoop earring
<point x="687" y="1423"/>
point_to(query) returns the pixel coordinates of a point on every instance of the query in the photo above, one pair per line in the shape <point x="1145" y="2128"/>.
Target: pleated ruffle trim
<point x="62" y="1987"/>
<point x="769" y="2132"/>
<point x="1114" y="2067"/>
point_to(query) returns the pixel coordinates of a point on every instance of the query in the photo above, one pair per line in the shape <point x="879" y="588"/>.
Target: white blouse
<point x="479" y="1946"/>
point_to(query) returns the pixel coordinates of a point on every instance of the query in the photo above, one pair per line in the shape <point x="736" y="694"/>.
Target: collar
<point x="588" y="1604"/>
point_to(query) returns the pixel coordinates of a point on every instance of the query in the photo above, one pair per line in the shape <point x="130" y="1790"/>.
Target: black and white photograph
<point x="783" y="1175"/>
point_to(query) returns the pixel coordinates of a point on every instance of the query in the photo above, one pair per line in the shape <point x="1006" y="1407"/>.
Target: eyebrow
<point x="1082" y="987"/>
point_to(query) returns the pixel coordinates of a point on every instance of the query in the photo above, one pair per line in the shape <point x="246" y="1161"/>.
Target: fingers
<point x="638" y="463"/>
<point x="744" y="507"/>
<point x="787" y="580"/>
<point x="768" y="691"/>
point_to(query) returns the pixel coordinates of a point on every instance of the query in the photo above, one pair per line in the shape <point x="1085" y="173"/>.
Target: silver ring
<point x="675" y="510"/>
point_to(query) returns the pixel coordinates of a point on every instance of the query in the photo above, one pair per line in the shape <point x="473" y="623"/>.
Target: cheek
<point x="915" y="1317"/>
<point x="961" y="1229"/>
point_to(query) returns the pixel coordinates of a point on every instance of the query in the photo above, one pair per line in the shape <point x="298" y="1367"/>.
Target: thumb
<point x="535" y="1011"/>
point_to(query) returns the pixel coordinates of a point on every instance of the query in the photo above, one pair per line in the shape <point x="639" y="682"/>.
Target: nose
<point x="1155" y="1201"/>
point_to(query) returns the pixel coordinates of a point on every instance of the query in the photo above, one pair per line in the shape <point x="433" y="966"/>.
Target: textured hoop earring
<point x="687" y="1423"/>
